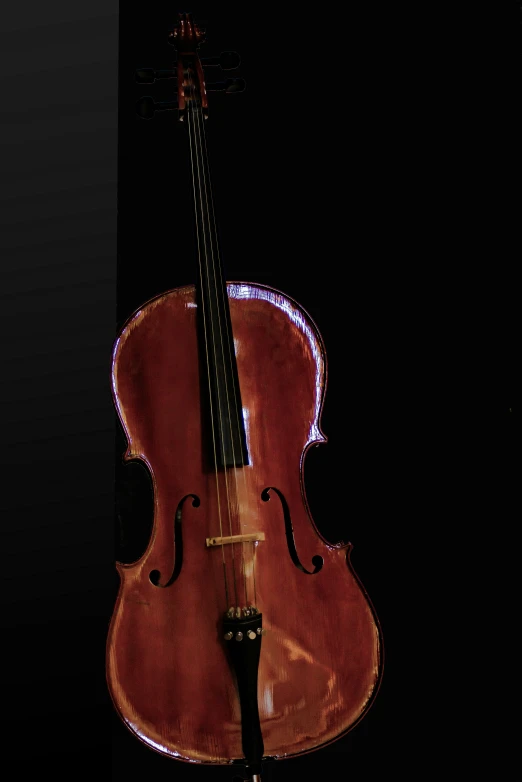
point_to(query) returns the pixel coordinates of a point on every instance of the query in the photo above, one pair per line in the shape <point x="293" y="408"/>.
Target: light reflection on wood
<point x="167" y="668"/>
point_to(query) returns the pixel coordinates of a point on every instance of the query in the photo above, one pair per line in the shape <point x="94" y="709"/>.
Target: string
<point x="233" y="382"/>
<point x="217" y="276"/>
<point x="202" y="293"/>
<point x="214" y="341"/>
<point x="196" y="112"/>
<point x="236" y="406"/>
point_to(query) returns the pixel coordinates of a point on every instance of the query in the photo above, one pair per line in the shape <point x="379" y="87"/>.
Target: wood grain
<point x="167" y="670"/>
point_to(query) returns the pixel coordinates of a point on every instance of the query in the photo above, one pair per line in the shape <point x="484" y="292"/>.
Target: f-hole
<point x="155" y="575"/>
<point x="317" y="560"/>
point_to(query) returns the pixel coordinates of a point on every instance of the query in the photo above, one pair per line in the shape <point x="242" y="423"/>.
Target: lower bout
<point x="299" y="713"/>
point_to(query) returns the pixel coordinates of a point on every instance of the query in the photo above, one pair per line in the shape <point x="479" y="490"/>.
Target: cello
<point x="240" y="635"/>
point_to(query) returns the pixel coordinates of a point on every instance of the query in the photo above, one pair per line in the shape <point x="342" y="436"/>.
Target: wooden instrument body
<point x="321" y="657"/>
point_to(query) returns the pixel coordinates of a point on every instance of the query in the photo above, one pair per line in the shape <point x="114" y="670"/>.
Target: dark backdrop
<point x="58" y="261"/>
<point x="370" y="172"/>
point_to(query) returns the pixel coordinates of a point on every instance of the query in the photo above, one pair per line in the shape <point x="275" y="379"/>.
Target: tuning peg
<point x="145" y="76"/>
<point x="149" y="75"/>
<point x="146" y="106"/>
<point x="229" y="85"/>
<point x="227" y="61"/>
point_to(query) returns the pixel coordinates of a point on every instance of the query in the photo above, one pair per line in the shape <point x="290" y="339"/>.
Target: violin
<point x="240" y="635"/>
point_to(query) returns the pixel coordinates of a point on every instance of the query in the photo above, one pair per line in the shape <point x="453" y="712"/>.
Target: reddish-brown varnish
<point x="167" y="667"/>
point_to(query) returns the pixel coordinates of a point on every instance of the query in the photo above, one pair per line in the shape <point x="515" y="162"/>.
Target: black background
<point x="370" y="172"/>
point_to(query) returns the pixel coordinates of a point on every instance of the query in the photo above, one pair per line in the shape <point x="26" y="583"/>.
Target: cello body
<point x="167" y="668"/>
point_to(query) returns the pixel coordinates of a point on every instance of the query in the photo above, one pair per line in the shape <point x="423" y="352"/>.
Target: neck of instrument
<point x="220" y="386"/>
